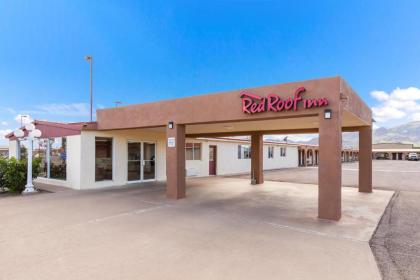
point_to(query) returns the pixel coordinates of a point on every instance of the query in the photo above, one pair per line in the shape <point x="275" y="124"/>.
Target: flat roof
<point x="223" y="114"/>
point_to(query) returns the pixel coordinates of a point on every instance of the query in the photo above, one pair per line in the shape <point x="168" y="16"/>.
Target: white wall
<point x="120" y="140"/>
<point x="81" y="158"/>
<point x="73" y="165"/>
<point x="13" y="149"/>
<point x="228" y="162"/>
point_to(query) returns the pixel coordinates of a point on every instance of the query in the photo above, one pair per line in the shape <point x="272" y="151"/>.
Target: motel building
<point x="198" y="136"/>
<point x="394" y="151"/>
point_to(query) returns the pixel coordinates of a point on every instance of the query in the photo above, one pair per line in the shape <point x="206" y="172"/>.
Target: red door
<point x="212" y="160"/>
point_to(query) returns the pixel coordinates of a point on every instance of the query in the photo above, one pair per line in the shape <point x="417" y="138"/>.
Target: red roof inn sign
<point x="252" y="103"/>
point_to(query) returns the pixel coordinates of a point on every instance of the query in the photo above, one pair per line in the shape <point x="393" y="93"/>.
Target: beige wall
<point x="392" y="146"/>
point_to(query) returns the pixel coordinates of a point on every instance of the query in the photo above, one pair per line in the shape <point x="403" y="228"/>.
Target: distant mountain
<point x="406" y="133"/>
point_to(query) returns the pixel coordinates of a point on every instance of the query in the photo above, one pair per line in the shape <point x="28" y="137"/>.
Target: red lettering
<point x="254" y="107"/>
<point x="322" y="102"/>
<point x="280" y="105"/>
<point x="246" y="103"/>
<point x="309" y="103"/>
<point x="272" y="99"/>
<point x="261" y="106"/>
<point x="252" y="103"/>
<point x="297" y="98"/>
<point x="289" y="104"/>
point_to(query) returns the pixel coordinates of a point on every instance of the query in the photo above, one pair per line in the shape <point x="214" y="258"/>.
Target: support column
<point x="329" y="170"/>
<point x="175" y="161"/>
<point x="305" y="159"/>
<point x="257" y="153"/>
<point x="365" y="159"/>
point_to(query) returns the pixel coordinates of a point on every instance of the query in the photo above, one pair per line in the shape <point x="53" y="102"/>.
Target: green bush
<point x="3" y="168"/>
<point x="13" y="173"/>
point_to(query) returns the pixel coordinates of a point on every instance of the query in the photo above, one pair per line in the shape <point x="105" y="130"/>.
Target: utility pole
<point x="89" y="59"/>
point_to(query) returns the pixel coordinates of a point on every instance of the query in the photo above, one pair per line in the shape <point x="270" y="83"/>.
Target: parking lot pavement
<point x="387" y="174"/>
<point x="396" y="243"/>
<point x="225" y="229"/>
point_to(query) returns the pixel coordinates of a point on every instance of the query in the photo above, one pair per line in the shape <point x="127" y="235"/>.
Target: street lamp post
<point x="89" y="59"/>
<point x="32" y="134"/>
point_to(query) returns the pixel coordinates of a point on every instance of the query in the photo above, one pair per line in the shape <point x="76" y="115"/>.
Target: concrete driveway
<point x="225" y="229"/>
<point x="396" y="243"/>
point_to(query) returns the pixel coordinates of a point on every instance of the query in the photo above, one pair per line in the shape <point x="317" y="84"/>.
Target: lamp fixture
<point x="327" y="114"/>
<point x="171" y="125"/>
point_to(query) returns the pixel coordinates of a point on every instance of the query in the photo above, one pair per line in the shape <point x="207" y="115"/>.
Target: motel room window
<point x="244" y="151"/>
<point x="57" y="157"/>
<point x="282" y="151"/>
<point x="103" y="158"/>
<point x="271" y="152"/>
<point x="193" y="151"/>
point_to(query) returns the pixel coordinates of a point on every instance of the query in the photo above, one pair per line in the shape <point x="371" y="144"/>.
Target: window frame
<point x="270" y="152"/>
<point x="112" y="158"/>
<point x="244" y="151"/>
<point x="193" y="150"/>
<point x="283" y="151"/>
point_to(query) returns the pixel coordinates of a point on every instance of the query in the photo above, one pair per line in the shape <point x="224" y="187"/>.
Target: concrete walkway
<point x="225" y="229"/>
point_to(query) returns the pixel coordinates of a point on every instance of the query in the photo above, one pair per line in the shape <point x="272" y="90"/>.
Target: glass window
<point x="271" y="152"/>
<point x="193" y="151"/>
<point x="103" y="158"/>
<point x="244" y="151"/>
<point x="58" y="158"/>
<point x="282" y="151"/>
<point x="40" y="151"/>
<point x="134" y="157"/>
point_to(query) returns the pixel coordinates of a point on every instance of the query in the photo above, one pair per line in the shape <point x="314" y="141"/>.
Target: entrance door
<point x="212" y="159"/>
<point x="141" y="161"/>
<point x="149" y="160"/>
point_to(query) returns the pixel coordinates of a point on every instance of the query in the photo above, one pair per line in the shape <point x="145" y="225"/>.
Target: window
<point x="103" y="158"/>
<point x="193" y="151"/>
<point x="271" y="152"/>
<point x="56" y="157"/>
<point x="282" y="151"/>
<point x="244" y="151"/>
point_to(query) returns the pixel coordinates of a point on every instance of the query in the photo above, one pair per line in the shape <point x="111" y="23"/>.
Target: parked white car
<point x="413" y="156"/>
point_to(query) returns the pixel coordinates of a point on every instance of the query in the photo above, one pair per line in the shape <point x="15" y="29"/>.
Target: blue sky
<point x="151" y="50"/>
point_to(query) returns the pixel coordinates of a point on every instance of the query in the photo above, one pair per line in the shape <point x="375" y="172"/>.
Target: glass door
<point x="134" y="161"/>
<point x="141" y="161"/>
<point x="149" y="160"/>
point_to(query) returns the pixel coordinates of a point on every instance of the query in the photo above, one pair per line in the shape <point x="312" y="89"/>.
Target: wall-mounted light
<point x="327" y="114"/>
<point x="171" y="125"/>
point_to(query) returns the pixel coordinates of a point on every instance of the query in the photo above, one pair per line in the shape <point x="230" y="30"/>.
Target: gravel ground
<point x="396" y="242"/>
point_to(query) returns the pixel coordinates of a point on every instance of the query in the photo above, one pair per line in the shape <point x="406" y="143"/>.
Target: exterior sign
<point x="171" y="142"/>
<point x="252" y="103"/>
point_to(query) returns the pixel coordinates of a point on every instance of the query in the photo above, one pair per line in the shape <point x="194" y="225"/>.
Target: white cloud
<point x="23" y="119"/>
<point x="62" y="109"/>
<point x="4" y="132"/>
<point x="379" y="95"/>
<point x="4" y="123"/>
<point x="396" y="107"/>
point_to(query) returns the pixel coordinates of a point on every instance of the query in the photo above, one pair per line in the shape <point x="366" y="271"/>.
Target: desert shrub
<point x="3" y="168"/>
<point x="14" y="176"/>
